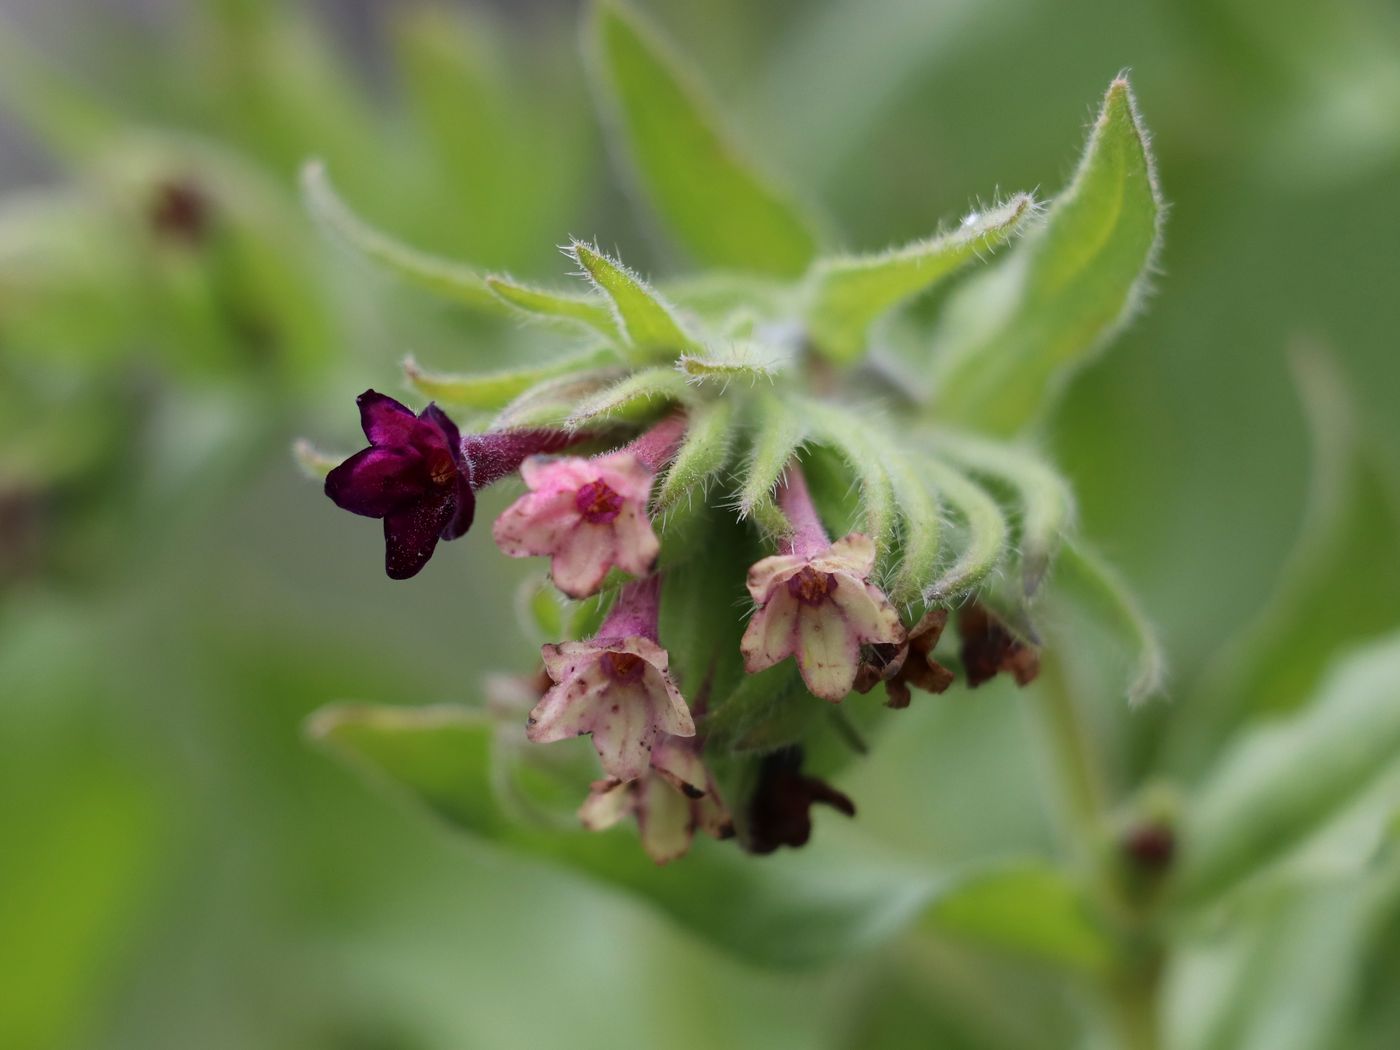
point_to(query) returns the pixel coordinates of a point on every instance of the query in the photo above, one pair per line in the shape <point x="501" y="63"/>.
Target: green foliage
<point x="724" y="213"/>
<point x="537" y="303"/>
<point x="647" y="323"/>
<point x="703" y="455"/>
<point x="1281" y="783"/>
<point x="846" y="294"/>
<point x="497" y="389"/>
<point x="1011" y="338"/>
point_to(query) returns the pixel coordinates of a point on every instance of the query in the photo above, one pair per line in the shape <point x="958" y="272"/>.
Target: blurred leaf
<point x="778" y="433"/>
<point x="440" y="276"/>
<point x="314" y="463"/>
<point x="724" y="213"/>
<point x="645" y="320"/>
<point x="709" y="440"/>
<point x="1012" y="337"/>
<point x="495" y="389"/>
<point x="589" y="311"/>
<point x="792" y="911"/>
<point x="640" y="393"/>
<point x="1280" y="783"/>
<point x="1025" y="908"/>
<point x="65" y="115"/>
<point x="846" y="294"/>
<point x="1337" y="587"/>
<point x="1088" y="579"/>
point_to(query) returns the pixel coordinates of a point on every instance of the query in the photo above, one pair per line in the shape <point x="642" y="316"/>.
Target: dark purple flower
<point x="421" y="477"/>
<point x="780" y="810"/>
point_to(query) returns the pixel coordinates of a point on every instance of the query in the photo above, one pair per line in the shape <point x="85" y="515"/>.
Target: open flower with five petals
<point x="820" y="610"/>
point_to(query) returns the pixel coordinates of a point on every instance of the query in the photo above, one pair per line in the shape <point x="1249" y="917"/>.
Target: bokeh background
<point x="179" y="869"/>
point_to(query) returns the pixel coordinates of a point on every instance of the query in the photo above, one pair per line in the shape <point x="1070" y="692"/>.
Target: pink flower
<point x="586" y="515"/>
<point x="615" y="687"/>
<point x="821" y="610"/>
<point x="676" y="796"/>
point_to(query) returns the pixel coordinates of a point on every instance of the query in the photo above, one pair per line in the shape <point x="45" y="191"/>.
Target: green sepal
<point x="777" y="434"/>
<point x="743" y="362"/>
<point x="703" y="455"/>
<point x="648" y="325"/>
<point x="985" y="536"/>
<point x="638" y="395"/>
<point x="543" y="305"/>
<point x="495" y="390"/>
<point x="848" y="435"/>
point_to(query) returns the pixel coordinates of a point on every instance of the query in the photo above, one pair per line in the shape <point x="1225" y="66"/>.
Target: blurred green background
<point x="179" y="869"/>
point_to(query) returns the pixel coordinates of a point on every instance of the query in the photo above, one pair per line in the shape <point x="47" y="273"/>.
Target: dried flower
<point x="908" y="665"/>
<point x="989" y="647"/>
<point x="780" y="809"/>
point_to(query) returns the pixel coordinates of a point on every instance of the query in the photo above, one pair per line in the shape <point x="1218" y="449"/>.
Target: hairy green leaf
<point x="441" y="276"/>
<point x="703" y="455"/>
<point x="800" y="909"/>
<point x="922" y="537"/>
<point x="551" y="402"/>
<point x="1011" y="337"/>
<point x="778" y="433"/>
<point x="848" y="434"/>
<point x="643" y="317"/>
<point x="718" y="207"/>
<point x="1284" y="781"/>
<point x="1046" y="504"/>
<point x="493" y="390"/>
<point x="986" y="532"/>
<point x="845" y="295"/>
<point x="745" y="362"/>
<point x="537" y="303"/>
<point x="639" y="393"/>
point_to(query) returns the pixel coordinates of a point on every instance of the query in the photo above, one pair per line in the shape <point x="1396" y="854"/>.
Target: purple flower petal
<point x="411" y="535"/>
<point x="451" y="437"/>
<point x="385" y="421"/>
<point x="463" y="511"/>
<point x="376" y="482"/>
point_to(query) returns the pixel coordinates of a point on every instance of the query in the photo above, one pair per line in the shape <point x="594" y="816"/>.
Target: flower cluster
<point x="816" y="609"/>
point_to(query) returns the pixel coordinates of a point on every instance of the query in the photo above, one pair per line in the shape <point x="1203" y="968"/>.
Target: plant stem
<point x="1131" y="994"/>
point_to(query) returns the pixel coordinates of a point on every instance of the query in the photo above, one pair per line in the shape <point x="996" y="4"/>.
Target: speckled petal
<point x="665" y="821"/>
<point x="636" y="542"/>
<point x="853" y="554"/>
<point x="770" y="572"/>
<point x="535" y="523"/>
<point x="677" y="759"/>
<point x="572" y="707"/>
<point x="607" y="803"/>
<point x="771" y="635"/>
<point x="582" y="558"/>
<point x="867" y="611"/>
<point x="828" y="654"/>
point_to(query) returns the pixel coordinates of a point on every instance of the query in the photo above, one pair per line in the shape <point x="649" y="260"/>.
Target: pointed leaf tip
<point x="1009" y="340"/>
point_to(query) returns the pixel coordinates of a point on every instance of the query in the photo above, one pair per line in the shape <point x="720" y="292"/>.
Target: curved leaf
<point x="1011" y="338"/>
<point x="488" y="390"/>
<point x="800" y="909"/>
<point x="440" y="276"/>
<point x="1283" y="782"/>
<point x="709" y="440"/>
<point x="643" y="317"/>
<point x="543" y="305"/>
<point x="847" y="294"/>
<point x="638" y="393"/>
